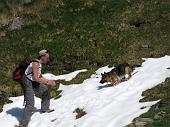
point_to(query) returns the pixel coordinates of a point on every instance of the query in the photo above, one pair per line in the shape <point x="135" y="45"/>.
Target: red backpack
<point x="20" y="70"/>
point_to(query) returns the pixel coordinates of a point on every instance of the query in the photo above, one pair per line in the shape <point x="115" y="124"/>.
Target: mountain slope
<point x="81" y="34"/>
<point x="104" y="106"/>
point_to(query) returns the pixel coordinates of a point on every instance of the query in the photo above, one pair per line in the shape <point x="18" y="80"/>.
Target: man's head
<point x="44" y="56"/>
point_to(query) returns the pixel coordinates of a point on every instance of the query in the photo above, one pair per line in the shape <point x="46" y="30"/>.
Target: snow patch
<point x="66" y="77"/>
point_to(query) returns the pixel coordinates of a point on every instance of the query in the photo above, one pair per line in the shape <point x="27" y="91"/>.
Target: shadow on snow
<point x="17" y="112"/>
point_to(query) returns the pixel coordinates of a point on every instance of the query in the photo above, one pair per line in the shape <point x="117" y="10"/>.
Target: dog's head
<point x="105" y="78"/>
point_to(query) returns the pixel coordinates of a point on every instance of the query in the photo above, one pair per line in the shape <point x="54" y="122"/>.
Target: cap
<point x="43" y="52"/>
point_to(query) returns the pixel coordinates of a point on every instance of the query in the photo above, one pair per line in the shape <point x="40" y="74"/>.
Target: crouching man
<point x="33" y="82"/>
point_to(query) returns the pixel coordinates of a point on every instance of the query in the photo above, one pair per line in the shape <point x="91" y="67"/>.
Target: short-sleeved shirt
<point x="29" y="71"/>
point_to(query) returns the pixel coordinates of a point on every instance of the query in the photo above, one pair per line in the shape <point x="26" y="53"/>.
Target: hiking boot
<point x="48" y="111"/>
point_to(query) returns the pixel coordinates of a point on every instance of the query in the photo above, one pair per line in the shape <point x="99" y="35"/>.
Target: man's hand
<point x="51" y="83"/>
<point x="57" y="82"/>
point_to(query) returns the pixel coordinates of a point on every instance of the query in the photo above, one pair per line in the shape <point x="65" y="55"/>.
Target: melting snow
<point x="105" y="106"/>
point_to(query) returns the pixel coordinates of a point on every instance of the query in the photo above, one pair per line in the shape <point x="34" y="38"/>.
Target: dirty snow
<point x="105" y="106"/>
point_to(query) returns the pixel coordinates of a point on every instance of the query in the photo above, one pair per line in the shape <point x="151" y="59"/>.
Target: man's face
<point x="45" y="58"/>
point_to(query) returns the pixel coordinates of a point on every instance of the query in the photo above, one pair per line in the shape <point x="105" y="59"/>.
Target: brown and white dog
<point x="119" y="74"/>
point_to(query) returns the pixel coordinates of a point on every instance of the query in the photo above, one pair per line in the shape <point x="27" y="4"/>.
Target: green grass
<point x="84" y="33"/>
<point x="79" y="113"/>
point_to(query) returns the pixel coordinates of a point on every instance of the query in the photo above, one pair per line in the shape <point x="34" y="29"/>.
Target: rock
<point x="157" y="117"/>
<point x="142" y="122"/>
<point x="157" y="107"/>
<point x="16" y="23"/>
<point x="145" y="46"/>
<point x="147" y="120"/>
<point x="160" y="115"/>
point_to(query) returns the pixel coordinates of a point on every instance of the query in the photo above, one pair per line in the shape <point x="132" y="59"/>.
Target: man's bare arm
<point x="38" y="79"/>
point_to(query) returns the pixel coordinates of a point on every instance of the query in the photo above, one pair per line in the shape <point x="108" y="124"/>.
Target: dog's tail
<point x="135" y="66"/>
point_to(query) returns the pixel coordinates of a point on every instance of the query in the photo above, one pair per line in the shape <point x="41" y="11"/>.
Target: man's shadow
<point x="18" y="112"/>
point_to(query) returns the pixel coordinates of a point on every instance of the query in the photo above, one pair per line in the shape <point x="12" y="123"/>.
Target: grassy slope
<point x="159" y="92"/>
<point x="86" y="34"/>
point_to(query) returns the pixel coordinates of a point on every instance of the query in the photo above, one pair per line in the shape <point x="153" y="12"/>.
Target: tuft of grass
<point x="79" y="113"/>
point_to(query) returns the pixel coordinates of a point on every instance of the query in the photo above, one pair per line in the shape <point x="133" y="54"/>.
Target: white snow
<point x="103" y="69"/>
<point x="66" y="77"/>
<point x="105" y="106"/>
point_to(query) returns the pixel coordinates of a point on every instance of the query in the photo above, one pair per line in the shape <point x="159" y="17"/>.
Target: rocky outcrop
<point x="141" y="122"/>
<point x="160" y="115"/>
<point x="16" y="23"/>
<point x="13" y="23"/>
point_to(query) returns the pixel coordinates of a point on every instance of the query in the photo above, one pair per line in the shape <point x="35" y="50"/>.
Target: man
<point x="34" y="82"/>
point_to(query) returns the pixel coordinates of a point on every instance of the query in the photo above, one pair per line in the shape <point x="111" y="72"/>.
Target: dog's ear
<point x="102" y="74"/>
